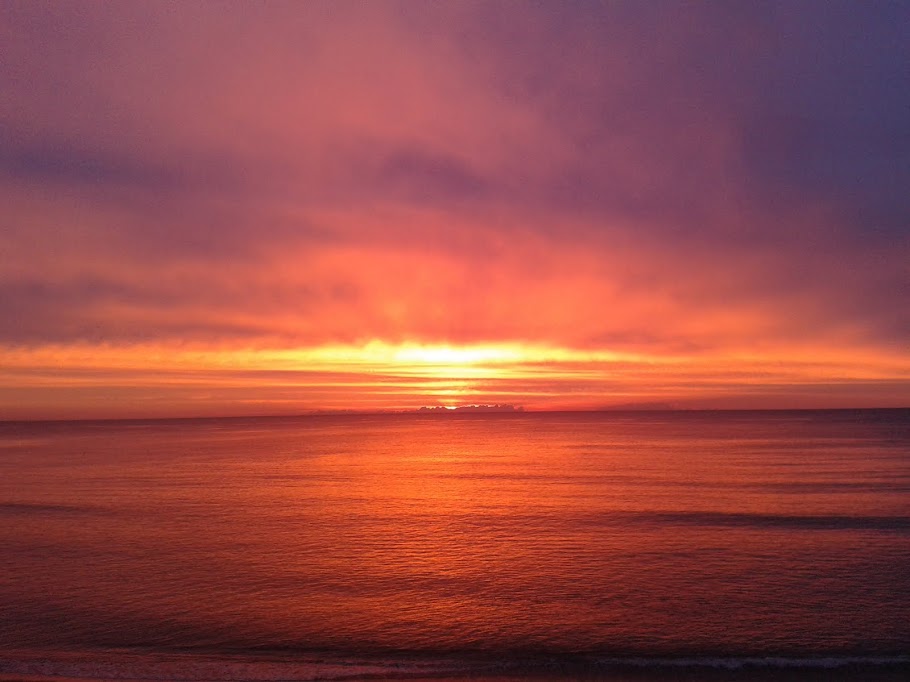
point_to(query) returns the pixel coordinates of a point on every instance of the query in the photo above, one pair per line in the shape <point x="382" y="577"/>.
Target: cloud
<point x="688" y="178"/>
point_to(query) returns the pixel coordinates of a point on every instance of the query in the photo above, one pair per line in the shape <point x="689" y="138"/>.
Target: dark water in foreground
<point x="752" y="545"/>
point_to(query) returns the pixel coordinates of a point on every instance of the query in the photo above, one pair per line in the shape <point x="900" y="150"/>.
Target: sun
<point x="455" y="356"/>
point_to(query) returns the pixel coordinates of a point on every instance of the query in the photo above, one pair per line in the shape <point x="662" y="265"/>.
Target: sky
<point x="225" y="208"/>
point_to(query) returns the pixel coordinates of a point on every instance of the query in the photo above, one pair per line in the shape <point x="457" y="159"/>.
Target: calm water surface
<point x="457" y="545"/>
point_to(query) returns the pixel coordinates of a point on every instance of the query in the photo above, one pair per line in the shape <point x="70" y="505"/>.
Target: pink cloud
<point x="636" y="179"/>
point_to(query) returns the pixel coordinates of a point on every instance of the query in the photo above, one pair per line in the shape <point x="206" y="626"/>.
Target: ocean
<point x="615" y="546"/>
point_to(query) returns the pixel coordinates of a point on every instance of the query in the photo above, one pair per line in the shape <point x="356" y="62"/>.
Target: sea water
<point x="599" y="545"/>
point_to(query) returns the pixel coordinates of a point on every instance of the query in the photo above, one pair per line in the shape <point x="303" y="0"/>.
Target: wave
<point x="745" y="520"/>
<point x="265" y="667"/>
<point x="739" y="663"/>
<point x="33" y="508"/>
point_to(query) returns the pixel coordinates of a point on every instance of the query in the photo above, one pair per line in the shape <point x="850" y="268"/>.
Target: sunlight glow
<point x="447" y="355"/>
<point x="413" y="355"/>
<point x="384" y="376"/>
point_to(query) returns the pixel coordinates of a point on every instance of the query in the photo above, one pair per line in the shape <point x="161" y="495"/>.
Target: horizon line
<point x="451" y="412"/>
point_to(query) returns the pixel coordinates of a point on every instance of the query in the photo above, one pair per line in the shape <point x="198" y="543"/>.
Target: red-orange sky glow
<point x="244" y="208"/>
